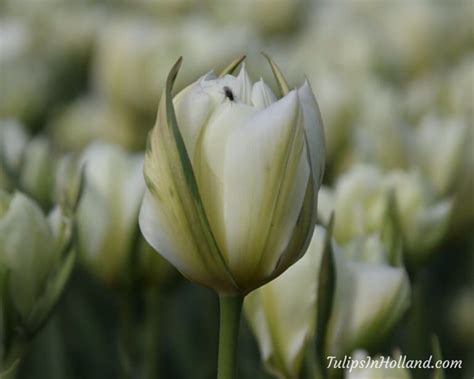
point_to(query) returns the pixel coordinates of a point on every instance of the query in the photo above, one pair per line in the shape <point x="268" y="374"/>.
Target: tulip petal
<point x="193" y="107"/>
<point x="314" y="130"/>
<point x="209" y="163"/>
<point x="245" y="86"/>
<point x="262" y="95"/>
<point x="283" y="333"/>
<point x="174" y="215"/>
<point x="28" y="259"/>
<point x="266" y="175"/>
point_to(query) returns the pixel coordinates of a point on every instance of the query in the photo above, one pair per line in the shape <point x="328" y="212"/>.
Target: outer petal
<point x="28" y="259"/>
<point x="266" y="174"/>
<point x="282" y="333"/>
<point x="173" y="215"/>
<point x="360" y="307"/>
<point x="314" y="129"/>
<point x="262" y="95"/>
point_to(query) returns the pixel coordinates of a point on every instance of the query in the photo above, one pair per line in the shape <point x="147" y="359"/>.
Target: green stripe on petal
<point x="172" y="184"/>
<point x="232" y="66"/>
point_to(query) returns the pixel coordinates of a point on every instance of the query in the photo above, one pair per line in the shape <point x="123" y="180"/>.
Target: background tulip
<point x="108" y="211"/>
<point x="376" y="372"/>
<point x="282" y="313"/>
<point x="35" y="269"/>
<point x="371" y="295"/>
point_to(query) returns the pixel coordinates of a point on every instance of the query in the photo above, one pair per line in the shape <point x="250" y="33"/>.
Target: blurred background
<point x="394" y="80"/>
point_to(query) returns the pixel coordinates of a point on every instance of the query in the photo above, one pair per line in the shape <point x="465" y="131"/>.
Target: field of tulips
<point x="240" y="189"/>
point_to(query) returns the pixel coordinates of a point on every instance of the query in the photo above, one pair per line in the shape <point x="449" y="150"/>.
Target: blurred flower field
<point x="80" y="84"/>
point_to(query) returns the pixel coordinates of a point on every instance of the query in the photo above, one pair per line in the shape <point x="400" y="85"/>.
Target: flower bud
<point x="26" y="164"/>
<point x="361" y="201"/>
<point x="232" y="177"/>
<point x="35" y="269"/>
<point x="110" y="243"/>
<point x="377" y="368"/>
<point x="362" y="313"/>
<point x="108" y="210"/>
<point x="441" y="151"/>
<point x="283" y="322"/>
<point x="13" y="140"/>
<point x="371" y="295"/>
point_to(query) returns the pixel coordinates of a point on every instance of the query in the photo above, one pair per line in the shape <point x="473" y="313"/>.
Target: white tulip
<point x="441" y="146"/>
<point x="361" y="203"/>
<point x="282" y="313"/>
<point x="36" y="260"/>
<point x="232" y="185"/>
<point x="108" y="211"/>
<point x="371" y="295"/>
<point x="376" y="369"/>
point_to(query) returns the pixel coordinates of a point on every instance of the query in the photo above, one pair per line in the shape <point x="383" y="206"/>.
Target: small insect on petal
<point x="228" y="93"/>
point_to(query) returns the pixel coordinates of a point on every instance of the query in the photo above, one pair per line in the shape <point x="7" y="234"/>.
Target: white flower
<point x="36" y="259"/>
<point x="282" y="313"/>
<point x="232" y="185"/>
<point x="371" y="295"/>
<point x="108" y="210"/>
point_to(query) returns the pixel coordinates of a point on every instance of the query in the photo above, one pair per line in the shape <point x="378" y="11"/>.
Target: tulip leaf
<point x="281" y="81"/>
<point x="437" y="355"/>
<point x="391" y="233"/>
<point x="176" y="189"/>
<point x="326" y="289"/>
<point x="52" y="293"/>
<point x="229" y="69"/>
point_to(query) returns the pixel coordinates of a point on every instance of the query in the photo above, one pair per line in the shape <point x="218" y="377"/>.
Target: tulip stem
<point x="230" y="310"/>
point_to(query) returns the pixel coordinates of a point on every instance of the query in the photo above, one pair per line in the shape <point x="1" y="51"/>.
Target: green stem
<point x="230" y="310"/>
<point x="152" y="332"/>
<point x="312" y="364"/>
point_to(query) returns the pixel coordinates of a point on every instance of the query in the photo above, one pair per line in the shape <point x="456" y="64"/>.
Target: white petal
<point x="245" y="91"/>
<point x="193" y="107"/>
<point x="281" y="332"/>
<point x="165" y="235"/>
<point x="209" y="161"/>
<point x="262" y="95"/>
<point x="27" y="250"/>
<point x="314" y="128"/>
<point x="265" y="181"/>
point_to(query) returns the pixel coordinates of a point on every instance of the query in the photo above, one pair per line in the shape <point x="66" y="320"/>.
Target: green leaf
<point x="229" y="69"/>
<point x="326" y="290"/>
<point x="281" y="81"/>
<point x="52" y="293"/>
<point x="437" y="356"/>
<point x="391" y="233"/>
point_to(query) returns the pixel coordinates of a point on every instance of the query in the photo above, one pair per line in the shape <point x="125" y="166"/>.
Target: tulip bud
<point x="376" y="369"/>
<point x="364" y="312"/>
<point x="13" y="140"/>
<point x="422" y="219"/>
<point x="361" y="204"/>
<point x="441" y="147"/>
<point x="361" y="313"/>
<point x="35" y="269"/>
<point x="283" y="322"/>
<point x="25" y="164"/>
<point x="107" y="217"/>
<point x="108" y="210"/>
<point x="232" y="177"/>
